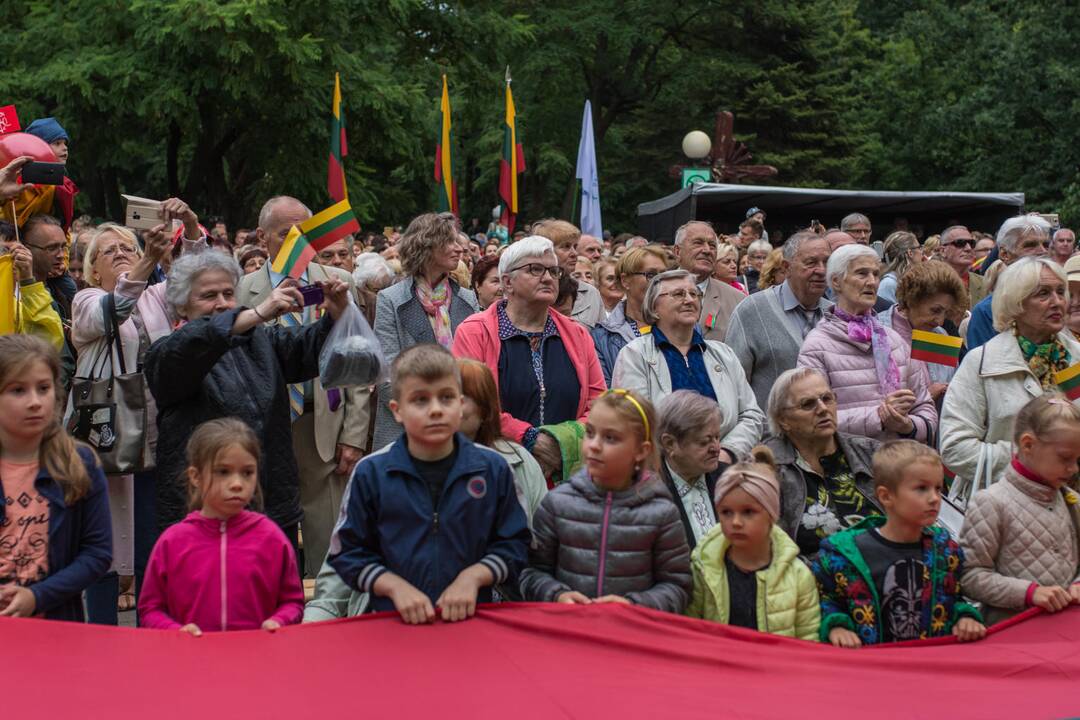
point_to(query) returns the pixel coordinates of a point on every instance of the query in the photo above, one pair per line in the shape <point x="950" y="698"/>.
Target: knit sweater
<point x="762" y="337"/>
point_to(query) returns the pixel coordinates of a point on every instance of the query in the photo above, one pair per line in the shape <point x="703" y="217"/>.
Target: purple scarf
<point x="866" y="328"/>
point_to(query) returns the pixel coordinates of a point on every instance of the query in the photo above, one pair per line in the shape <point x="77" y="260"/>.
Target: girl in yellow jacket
<point x="747" y="570"/>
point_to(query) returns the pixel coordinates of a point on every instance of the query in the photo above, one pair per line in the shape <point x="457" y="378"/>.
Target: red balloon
<point x="13" y="145"/>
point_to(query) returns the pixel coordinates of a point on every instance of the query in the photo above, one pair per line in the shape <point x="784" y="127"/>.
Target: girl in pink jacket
<point x="223" y="567"/>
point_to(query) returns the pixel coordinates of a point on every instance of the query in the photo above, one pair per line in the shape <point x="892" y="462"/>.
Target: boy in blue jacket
<point x="433" y="521"/>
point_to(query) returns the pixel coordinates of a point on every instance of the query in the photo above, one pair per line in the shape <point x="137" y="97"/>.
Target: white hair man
<point x="767" y="329"/>
<point x="1018" y="237"/>
<point x="695" y="250"/>
<point x="330" y="427"/>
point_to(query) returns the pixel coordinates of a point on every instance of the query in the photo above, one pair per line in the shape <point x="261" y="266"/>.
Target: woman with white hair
<point x="879" y="392"/>
<point x="994" y="381"/>
<point x="225" y="361"/>
<point x="674" y="356"/>
<point x="117" y="272"/>
<point x="826" y="476"/>
<point x="427" y="306"/>
<point x="544" y="363"/>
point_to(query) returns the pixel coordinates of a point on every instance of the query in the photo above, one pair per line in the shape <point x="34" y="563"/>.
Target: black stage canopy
<point x="788" y="209"/>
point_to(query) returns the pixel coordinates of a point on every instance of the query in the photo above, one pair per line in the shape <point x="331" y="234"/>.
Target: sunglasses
<point x="961" y="243"/>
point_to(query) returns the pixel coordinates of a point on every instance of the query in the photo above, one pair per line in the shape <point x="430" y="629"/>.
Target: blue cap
<point x="48" y="130"/>
<point x="754" y="211"/>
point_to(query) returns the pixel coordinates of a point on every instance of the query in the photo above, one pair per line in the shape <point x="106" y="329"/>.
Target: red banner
<point x="532" y="661"/>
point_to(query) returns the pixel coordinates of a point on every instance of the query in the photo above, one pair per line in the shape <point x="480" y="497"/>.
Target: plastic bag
<point x="351" y="354"/>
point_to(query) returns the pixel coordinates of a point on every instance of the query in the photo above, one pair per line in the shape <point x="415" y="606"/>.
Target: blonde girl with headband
<point x="747" y="571"/>
<point x="611" y="534"/>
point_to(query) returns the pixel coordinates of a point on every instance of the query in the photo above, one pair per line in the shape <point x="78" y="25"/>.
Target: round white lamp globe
<point x="696" y="145"/>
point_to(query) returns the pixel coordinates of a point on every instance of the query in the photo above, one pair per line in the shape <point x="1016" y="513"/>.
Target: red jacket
<point x="478" y="337"/>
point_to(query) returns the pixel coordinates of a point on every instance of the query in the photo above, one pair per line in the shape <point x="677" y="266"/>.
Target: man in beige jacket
<point x="695" y="250"/>
<point x="331" y="435"/>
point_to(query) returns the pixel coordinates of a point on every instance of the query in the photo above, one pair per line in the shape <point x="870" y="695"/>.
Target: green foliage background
<point x="226" y="102"/>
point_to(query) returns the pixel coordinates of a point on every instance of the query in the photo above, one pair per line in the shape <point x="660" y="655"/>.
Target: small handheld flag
<point x="313" y="236"/>
<point x="9" y="120"/>
<point x="935" y="348"/>
<point x="1068" y="381"/>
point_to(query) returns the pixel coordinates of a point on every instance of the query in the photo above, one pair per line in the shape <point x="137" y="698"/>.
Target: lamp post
<point x="696" y="146"/>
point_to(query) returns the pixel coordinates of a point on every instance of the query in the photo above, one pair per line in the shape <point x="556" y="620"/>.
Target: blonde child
<point x="223" y="567"/>
<point x="55" y="531"/>
<point x="1021" y="535"/>
<point x="612" y="533"/>
<point x="895" y="578"/>
<point x="747" y="570"/>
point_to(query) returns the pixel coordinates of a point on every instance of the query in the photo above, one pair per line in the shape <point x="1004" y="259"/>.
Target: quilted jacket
<point x="849" y="366"/>
<point x="628" y="543"/>
<point x="1017" y="532"/>
<point x="787" y="596"/>
<point x="849" y="597"/>
<point x="991" y="385"/>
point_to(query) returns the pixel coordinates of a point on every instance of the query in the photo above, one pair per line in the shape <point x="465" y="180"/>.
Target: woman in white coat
<point x="995" y="380"/>
<point x="671" y="355"/>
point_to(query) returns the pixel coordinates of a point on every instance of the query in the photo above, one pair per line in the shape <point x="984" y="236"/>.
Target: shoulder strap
<point x="113" y="331"/>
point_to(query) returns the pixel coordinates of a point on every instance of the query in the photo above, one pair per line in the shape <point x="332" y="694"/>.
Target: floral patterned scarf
<point x="1044" y="360"/>
<point x="436" y="303"/>
<point x="866" y="328"/>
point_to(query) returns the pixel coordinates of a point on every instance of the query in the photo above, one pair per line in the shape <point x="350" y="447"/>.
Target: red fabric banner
<point x="533" y="661"/>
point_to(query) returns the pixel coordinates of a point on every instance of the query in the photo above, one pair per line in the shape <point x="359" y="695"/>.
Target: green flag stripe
<point x="330" y="225"/>
<point x="297" y="251"/>
<point x="935" y="348"/>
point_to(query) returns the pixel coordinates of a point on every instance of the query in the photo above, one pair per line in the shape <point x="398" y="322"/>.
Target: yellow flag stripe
<point x="511" y="115"/>
<point x="447" y="168"/>
<point x="936" y="339"/>
<point x="1067" y="374"/>
<point x="337" y="96"/>
<point x="323" y="216"/>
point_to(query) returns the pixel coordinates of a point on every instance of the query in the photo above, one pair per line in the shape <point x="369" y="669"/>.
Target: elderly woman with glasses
<point x="225" y="360"/>
<point x="117" y="272"/>
<point x="427" y="306"/>
<point x="879" y="392"/>
<point x="826" y="476"/>
<point x="635" y="270"/>
<point x="996" y="380"/>
<point x="673" y="356"/>
<point x="544" y="363"/>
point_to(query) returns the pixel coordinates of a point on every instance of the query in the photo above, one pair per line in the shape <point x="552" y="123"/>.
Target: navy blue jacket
<point x="391" y="526"/>
<point x="80" y="543"/>
<point x="981" y="326"/>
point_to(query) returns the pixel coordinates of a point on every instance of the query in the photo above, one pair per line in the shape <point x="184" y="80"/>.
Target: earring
<point x="637" y="468"/>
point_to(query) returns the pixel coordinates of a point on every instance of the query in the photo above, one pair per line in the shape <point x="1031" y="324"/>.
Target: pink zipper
<point x="603" y="546"/>
<point x="224" y="593"/>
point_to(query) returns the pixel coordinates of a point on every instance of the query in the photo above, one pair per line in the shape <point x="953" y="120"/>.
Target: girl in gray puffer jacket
<point x="611" y="534"/>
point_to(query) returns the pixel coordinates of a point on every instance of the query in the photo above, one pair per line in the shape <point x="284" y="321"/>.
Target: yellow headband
<point x="626" y="394"/>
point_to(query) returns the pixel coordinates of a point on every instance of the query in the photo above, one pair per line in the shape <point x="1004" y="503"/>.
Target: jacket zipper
<point x="764" y="605"/>
<point x="224" y="592"/>
<point x="603" y="546"/>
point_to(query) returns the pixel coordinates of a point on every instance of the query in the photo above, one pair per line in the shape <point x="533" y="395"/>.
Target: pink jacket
<point x="221" y="575"/>
<point x="849" y="366"/>
<point x="478" y="337"/>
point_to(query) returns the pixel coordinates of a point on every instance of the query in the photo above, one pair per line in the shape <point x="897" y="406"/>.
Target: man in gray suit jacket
<point x="767" y="328"/>
<point x="331" y="435"/>
<point x="695" y="249"/>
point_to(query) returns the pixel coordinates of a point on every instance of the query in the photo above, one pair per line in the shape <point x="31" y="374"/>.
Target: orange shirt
<point x="24" y="531"/>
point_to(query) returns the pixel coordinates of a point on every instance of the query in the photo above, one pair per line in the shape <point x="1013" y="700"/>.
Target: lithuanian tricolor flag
<point x="934" y="348"/>
<point x="335" y="173"/>
<point x="1068" y="381"/>
<point x="513" y="163"/>
<point x="312" y="236"/>
<point x="444" y="167"/>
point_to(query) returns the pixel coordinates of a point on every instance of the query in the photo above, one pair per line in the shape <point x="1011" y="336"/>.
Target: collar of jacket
<point x="1001" y="354"/>
<point x="785" y="453"/>
<point x="714" y="546"/>
<point x="642" y="491"/>
<point x="470" y="459"/>
<point x="237" y="524"/>
<point x="617" y="323"/>
<point x="1035" y="489"/>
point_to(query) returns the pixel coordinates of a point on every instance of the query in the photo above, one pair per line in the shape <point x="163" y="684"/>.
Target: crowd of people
<point x="734" y="428"/>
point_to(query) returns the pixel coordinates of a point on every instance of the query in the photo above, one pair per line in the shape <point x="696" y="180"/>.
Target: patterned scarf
<point x="1044" y="360"/>
<point x="866" y="328"/>
<point x="436" y="303"/>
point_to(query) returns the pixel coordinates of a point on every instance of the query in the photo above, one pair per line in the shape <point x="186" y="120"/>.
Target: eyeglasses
<point x="54" y="249"/>
<point x="961" y="243"/>
<point x="115" y="249"/>
<point x="811" y="403"/>
<point x="648" y="274"/>
<point x="537" y="270"/>
<point x="682" y="295"/>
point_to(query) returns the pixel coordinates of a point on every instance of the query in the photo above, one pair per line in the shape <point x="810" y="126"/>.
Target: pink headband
<point x="762" y="488"/>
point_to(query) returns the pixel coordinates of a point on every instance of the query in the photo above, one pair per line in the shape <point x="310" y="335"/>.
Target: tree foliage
<point x="226" y="102"/>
